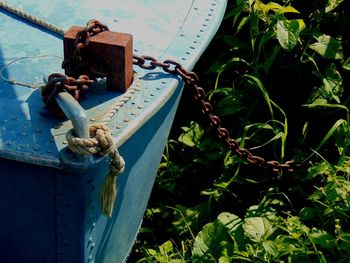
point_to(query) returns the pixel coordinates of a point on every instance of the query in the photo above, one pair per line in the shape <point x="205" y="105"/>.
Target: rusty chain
<point x="59" y="82"/>
<point x="192" y="80"/>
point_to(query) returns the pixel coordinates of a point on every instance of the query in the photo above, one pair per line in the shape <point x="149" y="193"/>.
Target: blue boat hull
<point x="49" y="196"/>
<point x="56" y="210"/>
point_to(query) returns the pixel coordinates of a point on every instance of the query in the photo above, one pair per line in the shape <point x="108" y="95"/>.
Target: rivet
<point x="126" y="120"/>
<point x="133" y="113"/>
<point x="188" y="52"/>
<point x="136" y="50"/>
<point x="164" y="82"/>
<point x="118" y="127"/>
<point x="36" y="148"/>
<point x="145" y="101"/>
<point x="65" y="142"/>
<point x="152" y="95"/>
<point x="139" y="107"/>
<point x="92" y="119"/>
<point x="22" y="146"/>
<point x="182" y="35"/>
<point x="196" y="8"/>
<point x="192" y="47"/>
<point x="158" y="88"/>
<point x="207" y="19"/>
<point x="183" y="58"/>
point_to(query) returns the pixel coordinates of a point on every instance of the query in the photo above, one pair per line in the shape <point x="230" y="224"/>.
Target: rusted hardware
<point x="98" y="53"/>
<point x="109" y="54"/>
<point x="192" y="80"/>
<point x="59" y="83"/>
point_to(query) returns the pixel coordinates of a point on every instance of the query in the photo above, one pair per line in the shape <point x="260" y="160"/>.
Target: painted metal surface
<point x="158" y="30"/>
<point x="49" y="196"/>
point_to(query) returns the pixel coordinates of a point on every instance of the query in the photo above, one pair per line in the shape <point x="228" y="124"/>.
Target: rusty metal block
<point x="111" y="49"/>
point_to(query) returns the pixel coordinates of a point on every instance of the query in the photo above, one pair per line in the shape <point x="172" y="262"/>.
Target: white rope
<point x="136" y="86"/>
<point x="31" y="18"/>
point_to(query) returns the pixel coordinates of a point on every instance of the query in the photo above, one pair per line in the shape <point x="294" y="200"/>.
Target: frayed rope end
<point x="108" y="191"/>
<point x="108" y="194"/>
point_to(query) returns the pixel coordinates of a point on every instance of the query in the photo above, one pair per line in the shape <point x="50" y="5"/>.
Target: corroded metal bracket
<point x="112" y="49"/>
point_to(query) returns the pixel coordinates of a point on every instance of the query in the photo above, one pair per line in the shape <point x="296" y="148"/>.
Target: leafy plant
<point x="279" y="81"/>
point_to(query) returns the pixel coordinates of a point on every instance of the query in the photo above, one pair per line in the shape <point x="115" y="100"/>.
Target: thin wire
<point x="15" y="82"/>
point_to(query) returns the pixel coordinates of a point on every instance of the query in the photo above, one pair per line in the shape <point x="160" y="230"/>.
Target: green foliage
<point x="279" y="80"/>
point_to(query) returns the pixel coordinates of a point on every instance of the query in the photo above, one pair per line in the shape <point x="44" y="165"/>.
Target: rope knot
<point x="100" y="142"/>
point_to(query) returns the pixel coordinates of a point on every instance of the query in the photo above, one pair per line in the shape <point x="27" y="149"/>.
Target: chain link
<point x="192" y="80"/>
<point x="57" y="83"/>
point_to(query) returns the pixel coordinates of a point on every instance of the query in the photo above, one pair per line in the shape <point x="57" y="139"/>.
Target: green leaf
<point x="331" y="90"/>
<point x="211" y="243"/>
<point x="287" y="9"/>
<point x="186" y="218"/>
<point x="254" y="28"/>
<point x="234" y="226"/>
<point x="278" y="8"/>
<point x="166" y="248"/>
<point x="270" y="247"/>
<point x="230" y="221"/>
<point x="230" y="105"/>
<point x="333" y="83"/>
<point x="288" y="32"/>
<point x="307" y="213"/>
<point x="191" y="135"/>
<point x="243" y="21"/>
<point x="271" y="59"/>
<point x="346" y="64"/>
<point x="332" y="4"/>
<point x="224" y="259"/>
<point x="327" y="47"/>
<point x="322" y="238"/>
<point x="255" y="228"/>
<point x="319" y="169"/>
<point x="331" y="131"/>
